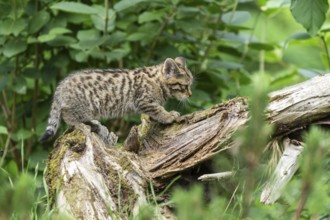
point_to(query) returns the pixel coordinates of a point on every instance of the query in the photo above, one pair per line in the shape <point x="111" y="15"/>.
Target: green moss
<point x="126" y="197"/>
<point x="75" y="141"/>
<point x="62" y="144"/>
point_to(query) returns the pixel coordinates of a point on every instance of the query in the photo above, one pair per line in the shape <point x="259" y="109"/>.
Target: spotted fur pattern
<point x="88" y="95"/>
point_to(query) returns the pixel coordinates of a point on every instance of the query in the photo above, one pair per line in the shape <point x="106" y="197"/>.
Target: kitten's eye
<point x="185" y="87"/>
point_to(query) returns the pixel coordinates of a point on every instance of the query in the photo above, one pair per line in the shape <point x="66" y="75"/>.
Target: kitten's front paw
<point x="171" y="117"/>
<point x="175" y="114"/>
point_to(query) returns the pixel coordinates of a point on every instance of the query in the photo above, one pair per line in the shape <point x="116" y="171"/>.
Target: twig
<point x="216" y="176"/>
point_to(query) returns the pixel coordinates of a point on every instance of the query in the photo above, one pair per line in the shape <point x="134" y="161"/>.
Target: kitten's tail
<point x="53" y="120"/>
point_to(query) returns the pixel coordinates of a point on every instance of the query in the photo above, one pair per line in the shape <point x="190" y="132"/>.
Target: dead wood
<point x="82" y="168"/>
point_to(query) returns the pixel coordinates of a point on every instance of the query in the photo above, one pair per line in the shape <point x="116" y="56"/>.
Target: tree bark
<point x="92" y="181"/>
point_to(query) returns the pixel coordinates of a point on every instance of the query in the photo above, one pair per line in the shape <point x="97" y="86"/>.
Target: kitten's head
<point x="177" y="78"/>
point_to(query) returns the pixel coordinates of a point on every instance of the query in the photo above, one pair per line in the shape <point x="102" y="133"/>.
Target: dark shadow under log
<point x="90" y="180"/>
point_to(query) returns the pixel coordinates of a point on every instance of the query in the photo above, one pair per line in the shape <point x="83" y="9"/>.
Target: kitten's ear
<point x="170" y="68"/>
<point x="181" y="61"/>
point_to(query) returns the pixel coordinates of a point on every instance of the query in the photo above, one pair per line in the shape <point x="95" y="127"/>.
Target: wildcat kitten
<point x="88" y="95"/>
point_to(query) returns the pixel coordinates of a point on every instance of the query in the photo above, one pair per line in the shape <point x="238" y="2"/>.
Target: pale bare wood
<point x="299" y="105"/>
<point x="285" y="169"/>
<point x="216" y="176"/>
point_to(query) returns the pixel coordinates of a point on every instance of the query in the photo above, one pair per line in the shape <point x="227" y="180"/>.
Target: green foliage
<point x="17" y="196"/>
<point x="191" y="206"/>
<point x="310" y="13"/>
<point x="254" y="139"/>
<point x="225" y="42"/>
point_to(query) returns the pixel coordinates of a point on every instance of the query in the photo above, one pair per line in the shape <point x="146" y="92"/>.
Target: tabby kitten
<point x="88" y="95"/>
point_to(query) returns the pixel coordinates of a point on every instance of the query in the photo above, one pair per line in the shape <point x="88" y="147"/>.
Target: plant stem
<point x="106" y="6"/>
<point x="5" y="149"/>
<point x="302" y="200"/>
<point x="325" y="46"/>
<point x="246" y="44"/>
<point x="4" y="106"/>
<point x="262" y="52"/>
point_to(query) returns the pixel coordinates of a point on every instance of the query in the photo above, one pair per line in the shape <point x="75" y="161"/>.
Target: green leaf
<point x="124" y="4"/>
<point x="52" y="34"/>
<point x="310" y="13"/>
<point x="59" y="31"/>
<point x="3" y="130"/>
<point x="61" y="40"/>
<point x="117" y="54"/>
<point x="77" y="18"/>
<point x="74" y="7"/>
<point x="24" y="194"/>
<point x="13" y="48"/>
<point x="200" y="97"/>
<point x="298" y="36"/>
<point x="38" y="21"/>
<point x="12" y="168"/>
<point x="99" y="18"/>
<point x="3" y="81"/>
<point x="261" y="46"/>
<point x="224" y="64"/>
<point x="22" y="134"/>
<point x="31" y="72"/>
<point x="87" y="35"/>
<point x="38" y="158"/>
<point x="79" y="56"/>
<point x="187" y="12"/>
<point x="2" y="40"/>
<point x="115" y="38"/>
<point x="89" y="39"/>
<point x="235" y="17"/>
<point x="19" y="85"/>
<point x="14" y="27"/>
<point x="46" y="38"/>
<point x="137" y="36"/>
<point x="150" y="16"/>
<point x="5" y="9"/>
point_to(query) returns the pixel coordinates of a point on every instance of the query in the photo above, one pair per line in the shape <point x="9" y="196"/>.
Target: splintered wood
<point x="195" y="138"/>
<point x="87" y="179"/>
<point x="286" y="167"/>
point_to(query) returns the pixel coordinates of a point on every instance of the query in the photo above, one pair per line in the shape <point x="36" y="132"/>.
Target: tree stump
<point x="92" y="181"/>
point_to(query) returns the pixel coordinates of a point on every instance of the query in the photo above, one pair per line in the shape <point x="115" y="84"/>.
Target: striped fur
<point x="89" y="95"/>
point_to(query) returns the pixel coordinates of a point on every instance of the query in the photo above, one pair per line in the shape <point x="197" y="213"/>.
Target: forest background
<point x="226" y="44"/>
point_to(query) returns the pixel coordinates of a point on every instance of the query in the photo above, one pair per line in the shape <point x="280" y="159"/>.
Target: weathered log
<point x="90" y="181"/>
<point x="300" y="105"/>
<point x="84" y="174"/>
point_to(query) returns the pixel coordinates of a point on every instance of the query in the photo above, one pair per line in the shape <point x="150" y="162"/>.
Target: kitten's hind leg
<point x="108" y="137"/>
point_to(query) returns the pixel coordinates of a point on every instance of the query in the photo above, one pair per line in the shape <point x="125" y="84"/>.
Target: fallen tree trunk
<point x="92" y="181"/>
